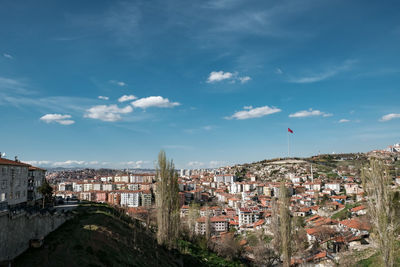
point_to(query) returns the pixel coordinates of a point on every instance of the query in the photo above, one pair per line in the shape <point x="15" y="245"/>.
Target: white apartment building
<point x="224" y="178"/>
<point x="108" y="187"/>
<point x="247" y="216"/>
<point x="218" y="224"/>
<point x="130" y="198"/>
<point x="87" y="187"/>
<point x="77" y="187"/>
<point x="97" y="187"/>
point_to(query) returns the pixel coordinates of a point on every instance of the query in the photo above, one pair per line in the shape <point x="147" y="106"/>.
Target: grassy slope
<point x="96" y="236"/>
<point x="376" y="260"/>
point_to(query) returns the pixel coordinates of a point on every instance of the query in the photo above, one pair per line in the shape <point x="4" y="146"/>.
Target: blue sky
<point x="109" y="83"/>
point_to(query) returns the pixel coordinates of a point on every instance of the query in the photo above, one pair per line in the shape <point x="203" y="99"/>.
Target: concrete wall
<point x="17" y="230"/>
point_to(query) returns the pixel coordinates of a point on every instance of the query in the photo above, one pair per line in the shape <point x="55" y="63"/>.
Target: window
<point x="3" y="196"/>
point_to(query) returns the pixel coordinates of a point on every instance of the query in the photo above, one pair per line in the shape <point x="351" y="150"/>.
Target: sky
<point x="213" y="83"/>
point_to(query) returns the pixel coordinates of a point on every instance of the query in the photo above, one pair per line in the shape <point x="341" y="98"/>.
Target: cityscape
<point x="200" y="133"/>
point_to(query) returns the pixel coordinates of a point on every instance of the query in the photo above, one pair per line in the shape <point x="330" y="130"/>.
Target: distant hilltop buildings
<point x="394" y="148"/>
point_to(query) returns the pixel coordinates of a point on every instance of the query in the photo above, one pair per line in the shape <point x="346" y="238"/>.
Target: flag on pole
<point x="289" y="130"/>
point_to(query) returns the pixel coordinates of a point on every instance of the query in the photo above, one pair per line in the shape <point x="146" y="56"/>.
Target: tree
<point x="167" y="200"/>
<point x="285" y="224"/>
<point x="192" y="216"/>
<point x="381" y="207"/>
<point x="46" y="190"/>
<point x="263" y="253"/>
<point x="276" y="241"/>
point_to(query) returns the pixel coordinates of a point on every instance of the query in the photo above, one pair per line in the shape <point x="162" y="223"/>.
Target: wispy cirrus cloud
<point x="103" y="97"/>
<point x="8" y="56"/>
<point x="219" y="76"/>
<point x="154" y="101"/>
<point x="119" y="83"/>
<point x="390" y="116"/>
<point x="57" y="118"/>
<point x="109" y="113"/>
<point x="344" y="120"/>
<point x="309" y="113"/>
<point x="328" y="73"/>
<point x="249" y="112"/>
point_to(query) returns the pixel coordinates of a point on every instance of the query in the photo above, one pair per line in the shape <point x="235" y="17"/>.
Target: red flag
<point x="289" y="130"/>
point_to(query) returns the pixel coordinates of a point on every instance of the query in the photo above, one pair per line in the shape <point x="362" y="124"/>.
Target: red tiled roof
<point x="4" y="161"/>
<point x="355" y="209"/>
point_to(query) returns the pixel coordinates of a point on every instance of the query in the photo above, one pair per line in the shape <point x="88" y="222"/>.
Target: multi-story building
<point x="130" y="198"/>
<point x="146" y="198"/>
<point x="36" y="177"/>
<point x="217" y="225"/>
<point x="13" y="183"/>
<point x="247" y="216"/>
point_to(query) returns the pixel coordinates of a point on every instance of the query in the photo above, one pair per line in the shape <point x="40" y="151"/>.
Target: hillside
<point x="99" y="236"/>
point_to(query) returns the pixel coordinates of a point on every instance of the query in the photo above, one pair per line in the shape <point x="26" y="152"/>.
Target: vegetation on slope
<point x="99" y="235"/>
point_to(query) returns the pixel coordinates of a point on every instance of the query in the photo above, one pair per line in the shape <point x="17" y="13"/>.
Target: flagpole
<point x="288" y="144"/>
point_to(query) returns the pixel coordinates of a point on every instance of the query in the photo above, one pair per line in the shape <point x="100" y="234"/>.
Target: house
<point x="335" y="186"/>
<point x="359" y="210"/>
<point x="356" y="226"/>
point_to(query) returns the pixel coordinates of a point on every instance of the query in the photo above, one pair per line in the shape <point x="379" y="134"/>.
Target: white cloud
<point x="57" y="118"/>
<point x="208" y="127"/>
<point x="154" y="101"/>
<point x="119" y="83"/>
<point x="69" y="163"/>
<point x="309" y="113"/>
<point x="244" y="79"/>
<point x="251" y="112"/>
<point x="103" y="97"/>
<point x="326" y="74"/>
<point x="278" y="71"/>
<point x="344" y="120"/>
<point x="218" y="76"/>
<point x="8" y="56"/>
<point x="38" y="162"/>
<point x="215" y="163"/>
<point x="126" y="98"/>
<point x="107" y="113"/>
<point x="134" y="164"/>
<point x="390" y="116"/>
<point x="195" y="164"/>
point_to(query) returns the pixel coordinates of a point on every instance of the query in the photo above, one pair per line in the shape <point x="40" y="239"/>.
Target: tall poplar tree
<point x="285" y="224"/>
<point x="167" y="200"/>
<point x="381" y="208"/>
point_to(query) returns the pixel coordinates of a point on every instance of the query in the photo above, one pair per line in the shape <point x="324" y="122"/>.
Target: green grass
<point x="344" y="213"/>
<point x="99" y="236"/>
